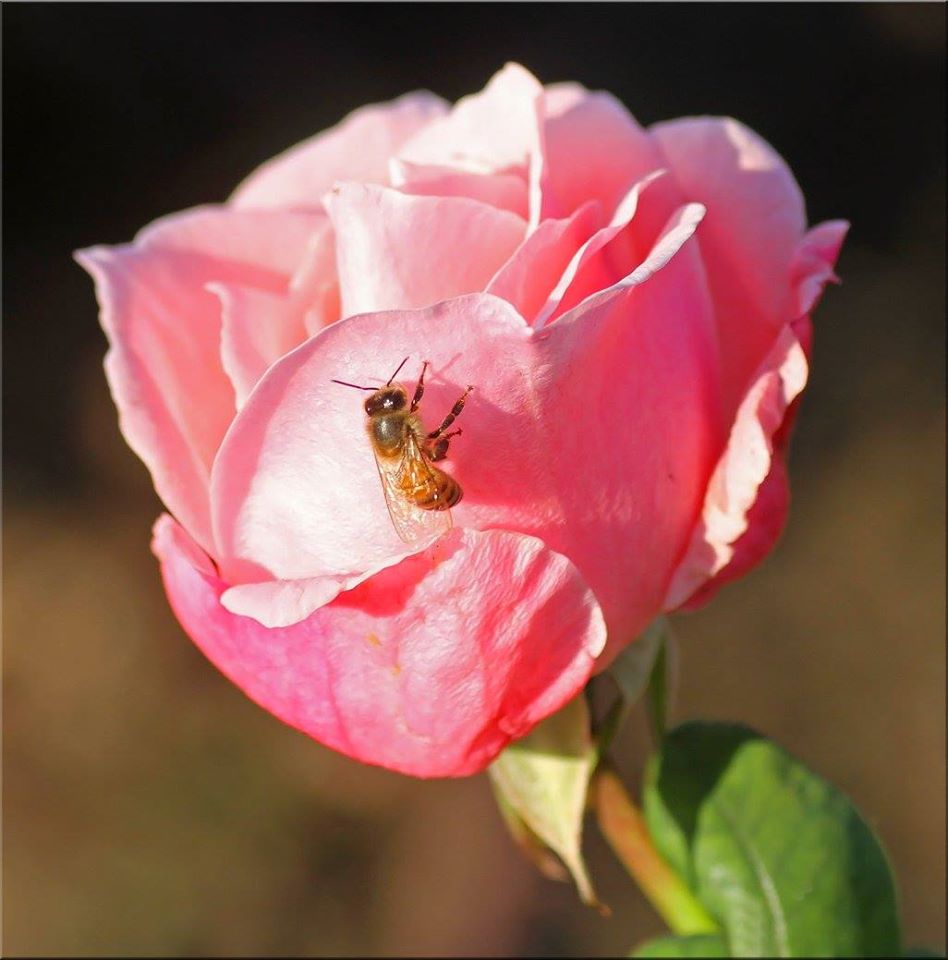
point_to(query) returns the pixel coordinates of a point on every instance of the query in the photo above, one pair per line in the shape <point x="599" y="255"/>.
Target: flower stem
<point x="624" y="828"/>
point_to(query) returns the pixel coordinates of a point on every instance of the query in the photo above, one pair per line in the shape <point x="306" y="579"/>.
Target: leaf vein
<point x="767" y="887"/>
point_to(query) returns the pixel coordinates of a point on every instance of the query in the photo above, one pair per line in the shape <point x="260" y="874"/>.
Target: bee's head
<point x="387" y="400"/>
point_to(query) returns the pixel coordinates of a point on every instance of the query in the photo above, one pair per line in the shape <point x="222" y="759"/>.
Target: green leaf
<point x="702" y="945"/>
<point x="778" y="855"/>
<point x="544" y="778"/>
<point x="625" y="830"/>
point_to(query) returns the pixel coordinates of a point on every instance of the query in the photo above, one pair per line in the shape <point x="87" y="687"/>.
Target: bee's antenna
<point x="355" y="386"/>
<point x="395" y="374"/>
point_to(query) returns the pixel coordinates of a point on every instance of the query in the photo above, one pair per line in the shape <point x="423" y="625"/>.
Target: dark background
<point x="148" y="807"/>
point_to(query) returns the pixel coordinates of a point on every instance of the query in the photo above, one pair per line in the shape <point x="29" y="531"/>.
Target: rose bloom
<point x="632" y="307"/>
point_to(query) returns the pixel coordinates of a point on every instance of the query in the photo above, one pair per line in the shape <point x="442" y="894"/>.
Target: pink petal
<point x="317" y="268"/>
<point x="324" y="309"/>
<point x="502" y="190"/>
<point x="257" y="328"/>
<point x="261" y="243"/>
<point x="765" y="522"/>
<point x="260" y="326"/>
<point x="747" y="502"/>
<point x="498" y="130"/>
<point x="814" y="261"/>
<point x="399" y="251"/>
<point x="163" y="365"/>
<point x="658" y="429"/>
<point x="599" y="270"/>
<point x="736" y="482"/>
<point x="755" y="220"/>
<point x="281" y="603"/>
<point x="357" y="148"/>
<point x="490" y="131"/>
<point x="316" y="284"/>
<point x="430" y="668"/>
<point x="295" y="488"/>
<point x="678" y="231"/>
<point x="594" y="149"/>
<point x="527" y="279"/>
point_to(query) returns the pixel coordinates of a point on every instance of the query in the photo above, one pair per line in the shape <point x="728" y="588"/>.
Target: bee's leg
<point x="420" y="389"/>
<point x="452" y="416"/>
<point x="437" y="449"/>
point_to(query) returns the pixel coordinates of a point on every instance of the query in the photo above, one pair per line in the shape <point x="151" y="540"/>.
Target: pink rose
<point x="632" y="308"/>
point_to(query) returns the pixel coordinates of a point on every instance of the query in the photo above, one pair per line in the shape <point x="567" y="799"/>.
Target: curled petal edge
<point x="430" y="669"/>
<point x="742" y="469"/>
<point x="748" y="496"/>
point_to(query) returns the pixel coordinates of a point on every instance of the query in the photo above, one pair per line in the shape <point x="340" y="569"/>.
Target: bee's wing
<point x="399" y="474"/>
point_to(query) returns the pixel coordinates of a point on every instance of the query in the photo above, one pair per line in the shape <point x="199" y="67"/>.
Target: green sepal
<point x="544" y="779"/>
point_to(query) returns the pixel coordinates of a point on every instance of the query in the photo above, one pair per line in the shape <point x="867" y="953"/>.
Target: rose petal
<point x="744" y="515"/>
<point x="502" y="190"/>
<point x="599" y="272"/>
<point x="295" y="488"/>
<point x="260" y="326"/>
<point x="315" y="284"/>
<point x="814" y="261"/>
<point x="490" y="131"/>
<point x="498" y="130"/>
<point x="281" y="603"/>
<point x="163" y="365"/>
<point x="765" y="522"/>
<point x="745" y="464"/>
<point x="357" y="148"/>
<point x="266" y="246"/>
<point x="527" y="279"/>
<point x="257" y="328"/>
<point x="595" y="149"/>
<point x="397" y="251"/>
<point x="755" y="220"/>
<point x="678" y="231"/>
<point x="431" y="668"/>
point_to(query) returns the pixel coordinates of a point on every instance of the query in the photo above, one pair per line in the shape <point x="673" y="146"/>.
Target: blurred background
<point x="148" y="807"/>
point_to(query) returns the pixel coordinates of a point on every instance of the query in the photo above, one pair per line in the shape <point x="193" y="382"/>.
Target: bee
<point x="419" y="495"/>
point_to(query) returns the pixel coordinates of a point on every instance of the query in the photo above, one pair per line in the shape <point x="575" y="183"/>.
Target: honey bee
<point x="418" y="495"/>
